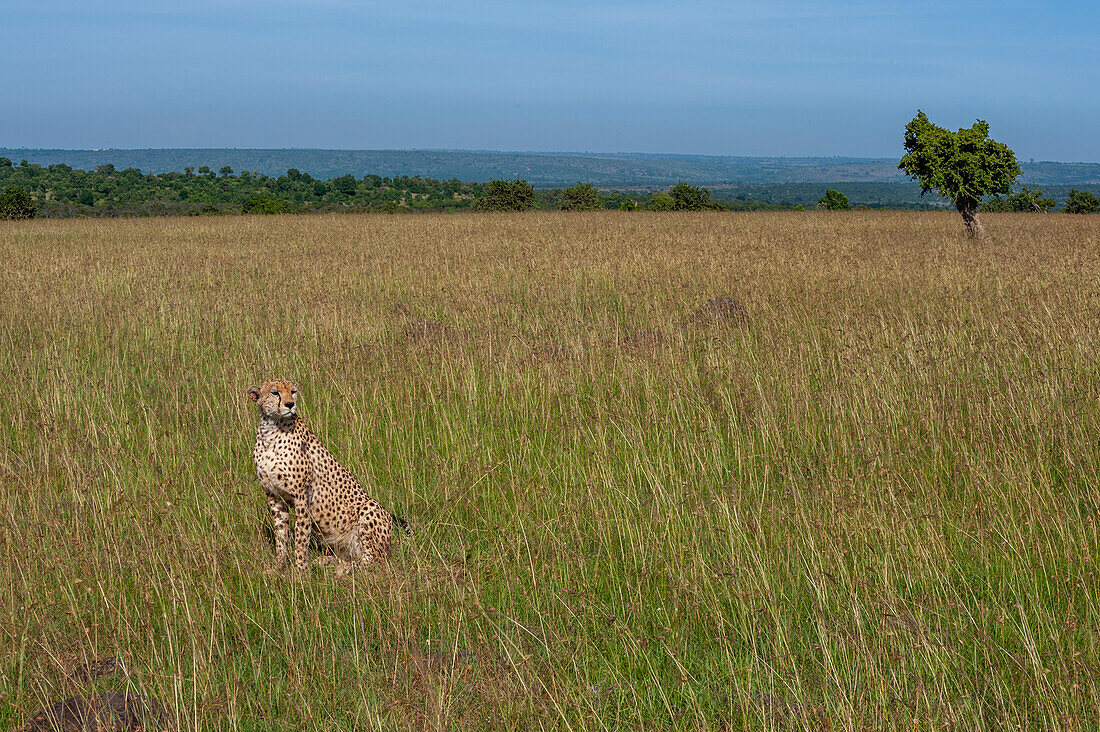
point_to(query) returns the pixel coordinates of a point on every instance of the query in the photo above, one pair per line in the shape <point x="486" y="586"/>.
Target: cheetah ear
<point x="253" y="393"/>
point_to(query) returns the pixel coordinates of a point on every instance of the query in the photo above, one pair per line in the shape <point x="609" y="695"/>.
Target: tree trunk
<point x="969" y="211"/>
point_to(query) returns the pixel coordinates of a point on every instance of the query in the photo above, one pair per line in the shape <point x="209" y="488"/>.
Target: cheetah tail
<point x="402" y="523"/>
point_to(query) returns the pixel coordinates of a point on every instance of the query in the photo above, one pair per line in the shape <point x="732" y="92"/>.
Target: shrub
<point x="686" y="197"/>
<point x="834" y="201"/>
<point x="16" y="203"/>
<point x="1082" y="202"/>
<point x="660" y="201"/>
<point x="1024" y="200"/>
<point x="266" y="204"/>
<point x="581" y="197"/>
<point x="507" y="195"/>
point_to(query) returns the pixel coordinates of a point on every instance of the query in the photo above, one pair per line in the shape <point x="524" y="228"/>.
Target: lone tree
<point x="507" y="195"/>
<point x="834" y="201"/>
<point x="1081" y="202"/>
<point x="964" y="166"/>
<point x="16" y="203"/>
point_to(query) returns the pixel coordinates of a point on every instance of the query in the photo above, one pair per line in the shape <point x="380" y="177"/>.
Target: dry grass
<point x="867" y="501"/>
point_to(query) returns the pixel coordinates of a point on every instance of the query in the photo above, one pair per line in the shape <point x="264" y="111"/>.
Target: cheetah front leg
<point x="280" y="517"/>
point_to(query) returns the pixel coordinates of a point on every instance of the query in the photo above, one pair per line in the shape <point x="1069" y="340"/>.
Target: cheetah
<point x="297" y="471"/>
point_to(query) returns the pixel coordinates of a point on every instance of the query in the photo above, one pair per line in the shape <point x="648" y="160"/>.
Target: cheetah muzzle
<point x="297" y="472"/>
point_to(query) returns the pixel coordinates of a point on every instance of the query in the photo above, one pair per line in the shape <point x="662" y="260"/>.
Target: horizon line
<point x="484" y="151"/>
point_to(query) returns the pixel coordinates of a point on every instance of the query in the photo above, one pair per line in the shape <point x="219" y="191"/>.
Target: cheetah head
<point x="277" y="399"/>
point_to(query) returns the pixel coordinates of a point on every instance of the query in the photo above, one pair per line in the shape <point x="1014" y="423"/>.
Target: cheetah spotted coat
<point x="297" y="472"/>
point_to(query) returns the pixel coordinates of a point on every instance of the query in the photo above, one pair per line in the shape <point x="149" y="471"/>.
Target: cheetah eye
<point x="275" y="393"/>
<point x="293" y="392"/>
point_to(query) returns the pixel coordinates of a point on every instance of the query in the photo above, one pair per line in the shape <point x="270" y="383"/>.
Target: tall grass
<point x="870" y="504"/>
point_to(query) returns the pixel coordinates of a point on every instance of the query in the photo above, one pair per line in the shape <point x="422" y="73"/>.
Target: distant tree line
<point x="60" y="191"/>
<point x="28" y="190"/>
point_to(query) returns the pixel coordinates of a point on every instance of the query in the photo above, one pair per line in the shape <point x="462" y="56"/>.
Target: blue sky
<point x="704" y="77"/>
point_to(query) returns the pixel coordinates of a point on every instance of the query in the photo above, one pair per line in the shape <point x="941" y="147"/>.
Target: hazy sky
<point x="708" y="77"/>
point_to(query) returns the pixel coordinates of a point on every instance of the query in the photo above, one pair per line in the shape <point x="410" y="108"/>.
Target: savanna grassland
<point x="864" y="499"/>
